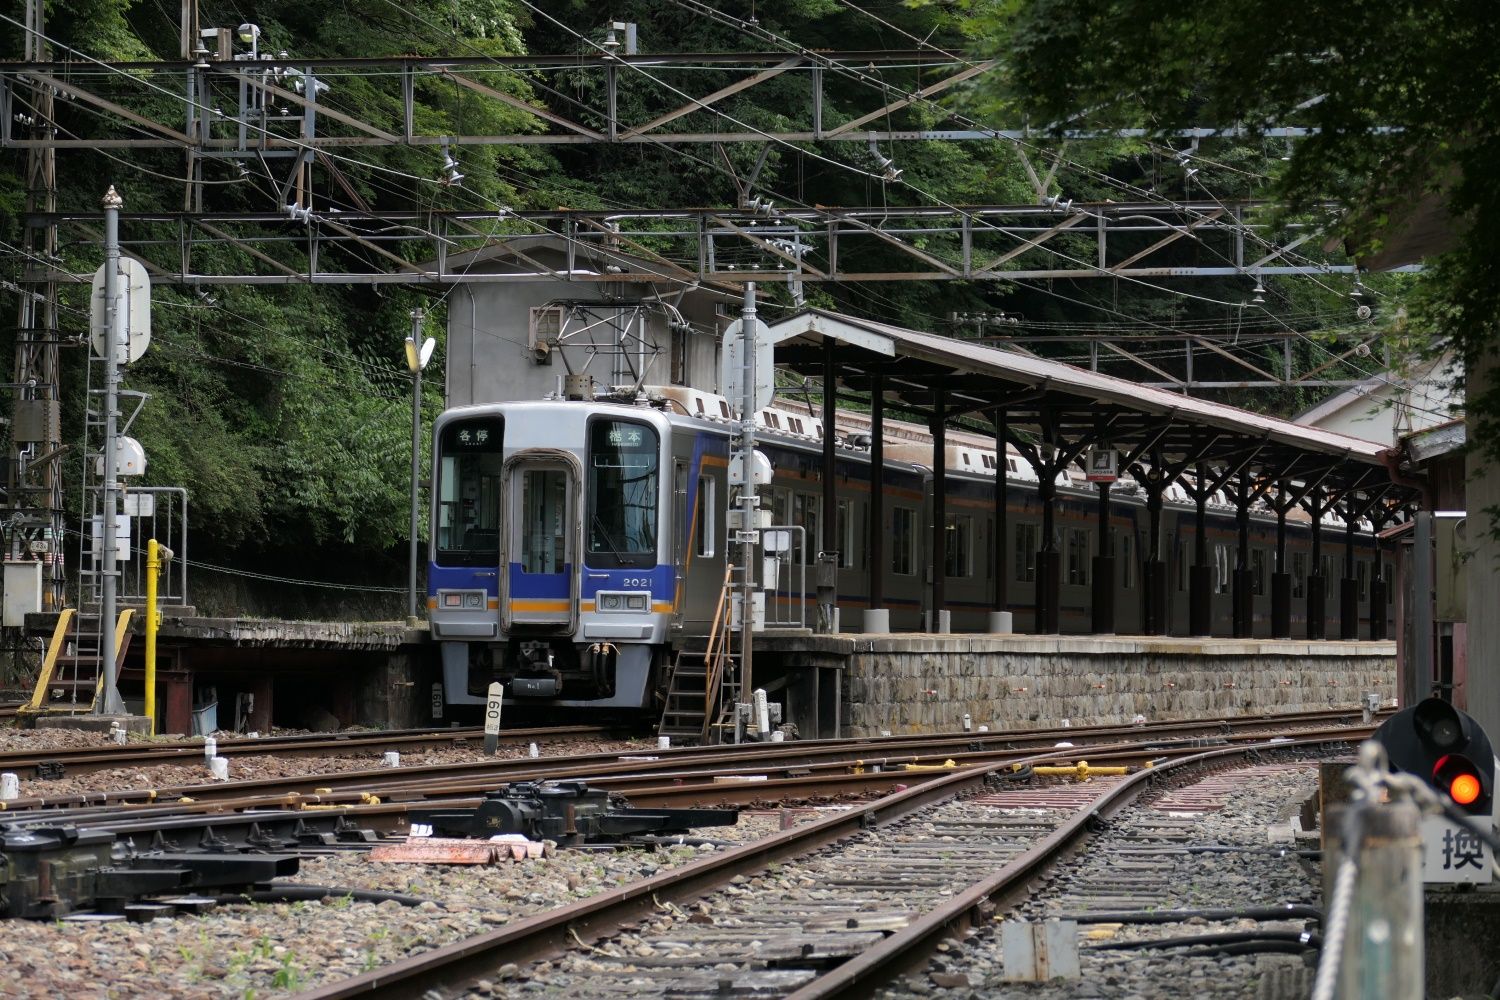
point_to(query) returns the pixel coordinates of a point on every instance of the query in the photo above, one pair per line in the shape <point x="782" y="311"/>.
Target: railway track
<point x="86" y="760"/>
<point x="832" y="909"/>
<point x="699" y="775"/>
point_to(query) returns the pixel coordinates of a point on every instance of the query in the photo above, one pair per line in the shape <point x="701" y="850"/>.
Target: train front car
<point x="550" y="569"/>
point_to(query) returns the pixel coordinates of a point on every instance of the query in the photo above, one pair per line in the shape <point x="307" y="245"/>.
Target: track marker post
<point x="492" y="718"/>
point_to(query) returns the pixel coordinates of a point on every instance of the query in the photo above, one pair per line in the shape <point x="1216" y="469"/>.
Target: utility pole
<point x="417" y="354"/>
<point x="35" y="488"/>
<point x="749" y="502"/>
<point x="109" y="702"/>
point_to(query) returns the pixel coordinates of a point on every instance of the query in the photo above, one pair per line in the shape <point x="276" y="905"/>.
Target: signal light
<point x="1446" y="748"/>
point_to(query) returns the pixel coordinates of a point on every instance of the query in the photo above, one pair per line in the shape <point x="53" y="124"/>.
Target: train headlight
<point x="468" y="600"/>
<point x="636" y="602"/>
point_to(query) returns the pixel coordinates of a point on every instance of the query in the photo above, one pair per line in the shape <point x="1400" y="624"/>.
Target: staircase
<point x="72" y="673"/>
<point x="704" y="680"/>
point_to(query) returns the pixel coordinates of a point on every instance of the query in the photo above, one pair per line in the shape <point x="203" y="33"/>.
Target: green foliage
<point x="1388" y="88"/>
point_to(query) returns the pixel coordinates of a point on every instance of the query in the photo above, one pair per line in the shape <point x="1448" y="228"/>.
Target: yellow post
<point x="156" y="559"/>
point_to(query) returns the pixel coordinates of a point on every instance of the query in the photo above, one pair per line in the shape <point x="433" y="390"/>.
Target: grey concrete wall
<point x="488" y="325"/>
<point x="927" y="683"/>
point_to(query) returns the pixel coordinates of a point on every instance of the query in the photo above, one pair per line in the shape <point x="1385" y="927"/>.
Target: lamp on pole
<point x="418" y="353"/>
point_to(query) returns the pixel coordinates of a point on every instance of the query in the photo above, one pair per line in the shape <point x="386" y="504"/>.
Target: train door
<point x="541" y="582"/>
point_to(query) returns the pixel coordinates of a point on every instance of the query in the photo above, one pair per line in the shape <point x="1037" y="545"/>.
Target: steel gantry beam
<point x="563" y="99"/>
<point x="857" y="244"/>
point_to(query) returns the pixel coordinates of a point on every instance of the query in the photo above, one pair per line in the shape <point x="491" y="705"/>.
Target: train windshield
<point x="467" y="528"/>
<point x="622" y="510"/>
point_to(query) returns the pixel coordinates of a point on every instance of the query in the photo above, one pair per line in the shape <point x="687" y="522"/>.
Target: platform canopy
<point x="1056" y="415"/>
<point x="1055" y="404"/>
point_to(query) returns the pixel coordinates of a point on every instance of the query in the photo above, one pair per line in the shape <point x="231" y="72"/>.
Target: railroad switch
<point x="569" y="813"/>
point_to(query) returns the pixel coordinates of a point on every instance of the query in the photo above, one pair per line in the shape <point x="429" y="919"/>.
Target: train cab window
<point x="1299" y="574"/>
<point x="958" y="546"/>
<point x="1258" y="572"/>
<point x="704" y="541"/>
<point x="624" y="465"/>
<point x="467" y="525"/>
<point x="903" y="541"/>
<point x="1026" y="546"/>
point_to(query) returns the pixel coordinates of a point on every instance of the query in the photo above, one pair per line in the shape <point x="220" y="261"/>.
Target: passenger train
<point x="577" y="543"/>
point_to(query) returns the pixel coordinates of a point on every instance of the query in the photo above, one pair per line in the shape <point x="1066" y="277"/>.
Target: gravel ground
<point x="1099" y="880"/>
<point x="258" y="950"/>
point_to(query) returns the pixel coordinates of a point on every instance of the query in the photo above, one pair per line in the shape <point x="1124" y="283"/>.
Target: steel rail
<point x="84" y="760"/>
<point x="451" y="967"/>
<point x="424" y="781"/>
<point x="863" y="974"/>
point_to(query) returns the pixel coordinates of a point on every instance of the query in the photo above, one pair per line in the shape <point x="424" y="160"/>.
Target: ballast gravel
<point x="1098" y="880"/>
<point x="259" y="950"/>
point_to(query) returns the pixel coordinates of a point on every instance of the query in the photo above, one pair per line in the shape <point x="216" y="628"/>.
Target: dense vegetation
<point x="285" y="409"/>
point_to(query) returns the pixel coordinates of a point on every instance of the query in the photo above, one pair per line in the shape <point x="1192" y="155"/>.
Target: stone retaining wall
<point x="908" y="684"/>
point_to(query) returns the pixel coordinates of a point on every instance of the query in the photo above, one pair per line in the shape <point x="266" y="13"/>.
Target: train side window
<point x="1326" y="569"/>
<point x="805" y="510"/>
<point x="1127" y="561"/>
<point x="903" y="541"/>
<point x="1077" y="556"/>
<point x="1258" y="572"/>
<point x="847" y="532"/>
<point x="1390" y="584"/>
<point x="706" y="510"/>
<point x="1221" y="568"/>
<point x="1299" y="574"/>
<point x="1179" y="561"/>
<point x="958" y="546"/>
<point x="1362" y="574"/>
<point x="1026" y="546"/>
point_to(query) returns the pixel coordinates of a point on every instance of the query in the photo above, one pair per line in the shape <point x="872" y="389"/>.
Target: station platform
<point x="863" y="685"/>
<point x="326" y="675"/>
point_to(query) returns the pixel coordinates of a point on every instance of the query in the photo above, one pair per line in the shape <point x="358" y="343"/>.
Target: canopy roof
<point x="1070" y="408"/>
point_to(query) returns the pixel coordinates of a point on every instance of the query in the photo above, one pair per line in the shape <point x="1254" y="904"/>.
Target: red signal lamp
<point x="1458" y="776"/>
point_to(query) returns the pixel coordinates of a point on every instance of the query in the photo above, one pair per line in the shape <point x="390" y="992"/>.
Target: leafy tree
<point x="1392" y="91"/>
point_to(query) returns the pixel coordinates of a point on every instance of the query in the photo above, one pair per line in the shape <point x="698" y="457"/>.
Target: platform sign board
<point x="732" y="361"/>
<point x="1451" y="855"/>
<point x="492" y="717"/>
<point x="1103" y="465"/>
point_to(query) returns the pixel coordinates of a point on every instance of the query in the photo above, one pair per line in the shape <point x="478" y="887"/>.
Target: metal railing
<point x="785" y="552"/>
<point x="159" y="512"/>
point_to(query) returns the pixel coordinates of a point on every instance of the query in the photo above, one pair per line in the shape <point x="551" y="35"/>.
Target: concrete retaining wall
<point x="922" y="683"/>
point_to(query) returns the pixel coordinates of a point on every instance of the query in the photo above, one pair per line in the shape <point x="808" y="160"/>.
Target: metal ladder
<point x="72" y="673"/>
<point x="703" y="681"/>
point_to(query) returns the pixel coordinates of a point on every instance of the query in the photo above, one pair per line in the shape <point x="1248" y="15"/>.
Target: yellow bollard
<point x="157" y="556"/>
